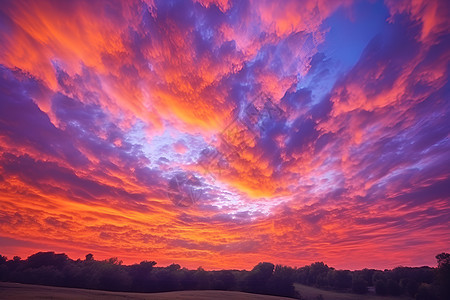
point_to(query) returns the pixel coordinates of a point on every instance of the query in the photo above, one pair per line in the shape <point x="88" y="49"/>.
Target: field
<point x="312" y="293"/>
<point x="27" y="291"/>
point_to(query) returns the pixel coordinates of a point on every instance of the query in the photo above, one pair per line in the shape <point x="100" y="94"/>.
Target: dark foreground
<point x="28" y="291"/>
<point x="145" y="280"/>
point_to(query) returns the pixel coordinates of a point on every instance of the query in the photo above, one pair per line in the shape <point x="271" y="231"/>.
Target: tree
<point x="114" y="261"/>
<point x="265" y="269"/>
<point x="393" y="288"/>
<point x="359" y="284"/>
<point x="425" y="292"/>
<point x="3" y="259"/>
<point x="381" y="287"/>
<point x="302" y="274"/>
<point x="317" y="269"/>
<point x="3" y="268"/>
<point x="443" y="260"/>
<point x="166" y="280"/>
<point x="187" y="279"/>
<point x="367" y="275"/>
<point x="174" y="267"/>
<point x="223" y="280"/>
<point x="443" y="275"/>
<point x="113" y="277"/>
<point x="409" y="286"/>
<point x="141" y="275"/>
<point x="281" y="283"/>
<point x="47" y="259"/>
<point x="256" y="281"/>
<point x="58" y="270"/>
<point x="340" y="279"/>
<point x="202" y="279"/>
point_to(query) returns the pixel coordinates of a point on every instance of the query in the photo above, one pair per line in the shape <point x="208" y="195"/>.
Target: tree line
<point x="49" y="268"/>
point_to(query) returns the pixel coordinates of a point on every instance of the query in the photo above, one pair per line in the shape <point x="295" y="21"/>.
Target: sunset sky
<point x="221" y="133"/>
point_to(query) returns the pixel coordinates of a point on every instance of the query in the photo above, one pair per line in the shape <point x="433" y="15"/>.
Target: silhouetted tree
<point x="443" y="275"/>
<point x="141" y="275"/>
<point x="202" y="279"/>
<point x="359" y="284"/>
<point x="58" y="270"/>
<point x="393" y="288"/>
<point x="409" y="286"/>
<point x="114" y="261"/>
<point x="317" y="269"/>
<point x="166" y="280"/>
<point x="174" y="267"/>
<point x="302" y="275"/>
<point x="381" y="287"/>
<point x="3" y="268"/>
<point x="281" y="282"/>
<point x="340" y="279"/>
<point x="425" y="292"/>
<point x="47" y="259"/>
<point x="187" y="280"/>
<point x="257" y="279"/>
<point x="44" y="274"/>
<point x="223" y="280"/>
<point x="113" y="277"/>
<point x="367" y="275"/>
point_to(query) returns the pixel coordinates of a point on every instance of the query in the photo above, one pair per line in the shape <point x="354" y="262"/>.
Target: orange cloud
<point x="102" y="106"/>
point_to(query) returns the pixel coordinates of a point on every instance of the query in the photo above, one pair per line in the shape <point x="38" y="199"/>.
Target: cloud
<point x="298" y="155"/>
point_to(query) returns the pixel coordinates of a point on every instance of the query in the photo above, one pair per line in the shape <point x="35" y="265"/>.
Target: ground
<point x="28" y="291"/>
<point x="312" y="293"/>
<point x="13" y="291"/>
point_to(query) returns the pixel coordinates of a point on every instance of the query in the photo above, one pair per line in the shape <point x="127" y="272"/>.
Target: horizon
<point x="221" y="133"/>
<point x="157" y="265"/>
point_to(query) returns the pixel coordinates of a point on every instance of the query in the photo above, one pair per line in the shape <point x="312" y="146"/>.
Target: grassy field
<point x="27" y="291"/>
<point x="312" y="293"/>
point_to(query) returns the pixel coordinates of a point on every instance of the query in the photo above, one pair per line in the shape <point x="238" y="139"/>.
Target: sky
<point x="221" y="133"/>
